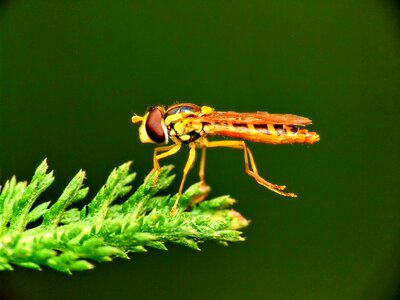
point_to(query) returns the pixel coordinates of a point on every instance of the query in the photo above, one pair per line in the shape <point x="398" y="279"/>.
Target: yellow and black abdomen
<point x="265" y="133"/>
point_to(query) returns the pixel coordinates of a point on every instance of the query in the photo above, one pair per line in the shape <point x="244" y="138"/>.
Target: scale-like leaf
<point x="70" y="239"/>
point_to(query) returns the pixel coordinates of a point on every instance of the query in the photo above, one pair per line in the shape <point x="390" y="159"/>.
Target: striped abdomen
<point x="268" y="133"/>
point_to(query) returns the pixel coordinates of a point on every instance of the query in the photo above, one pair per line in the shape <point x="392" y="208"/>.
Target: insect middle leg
<point x="186" y="169"/>
<point x="248" y="156"/>
<point x="202" y="165"/>
<point x="168" y="151"/>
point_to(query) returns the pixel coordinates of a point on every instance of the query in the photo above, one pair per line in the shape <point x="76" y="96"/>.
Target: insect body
<point x="191" y="124"/>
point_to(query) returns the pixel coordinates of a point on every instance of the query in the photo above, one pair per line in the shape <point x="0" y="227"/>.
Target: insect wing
<point x="256" y="118"/>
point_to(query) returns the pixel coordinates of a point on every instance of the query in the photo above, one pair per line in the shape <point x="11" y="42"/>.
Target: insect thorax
<point x="185" y="130"/>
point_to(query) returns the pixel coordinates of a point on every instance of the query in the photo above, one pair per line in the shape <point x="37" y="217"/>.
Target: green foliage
<point x="70" y="239"/>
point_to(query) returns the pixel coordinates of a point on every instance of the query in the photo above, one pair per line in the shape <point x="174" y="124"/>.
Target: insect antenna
<point x="136" y="119"/>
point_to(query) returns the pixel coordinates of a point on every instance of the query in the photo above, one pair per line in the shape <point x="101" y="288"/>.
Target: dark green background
<point x="73" y="72"/>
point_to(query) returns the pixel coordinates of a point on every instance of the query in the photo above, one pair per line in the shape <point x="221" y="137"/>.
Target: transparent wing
<point x="256" y="118"/>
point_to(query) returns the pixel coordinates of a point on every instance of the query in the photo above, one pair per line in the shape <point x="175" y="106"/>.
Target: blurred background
<point x="72" y="73"/>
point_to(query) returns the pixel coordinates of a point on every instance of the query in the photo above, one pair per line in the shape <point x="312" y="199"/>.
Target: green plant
<point x="68" y="238"/>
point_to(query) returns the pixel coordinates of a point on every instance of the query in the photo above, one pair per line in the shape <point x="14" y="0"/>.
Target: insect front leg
<point x="248" y="156"/>
<point x="168" y="151"/>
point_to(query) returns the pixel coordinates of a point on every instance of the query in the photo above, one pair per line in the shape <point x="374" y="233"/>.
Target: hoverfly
<point x="190" y="124"/>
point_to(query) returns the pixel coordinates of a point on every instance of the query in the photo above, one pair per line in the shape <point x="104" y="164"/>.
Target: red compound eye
<point x="154" y="126"/>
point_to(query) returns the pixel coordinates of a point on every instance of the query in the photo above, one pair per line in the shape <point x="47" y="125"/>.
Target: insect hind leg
<point x="249" y="162"/>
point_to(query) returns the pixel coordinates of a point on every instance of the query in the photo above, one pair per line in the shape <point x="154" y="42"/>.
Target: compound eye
<point x="185" y="108"/>
<point x="154" y="126"/>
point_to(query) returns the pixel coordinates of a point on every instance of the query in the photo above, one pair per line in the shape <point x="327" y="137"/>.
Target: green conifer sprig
<point x="71" y="239"/>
